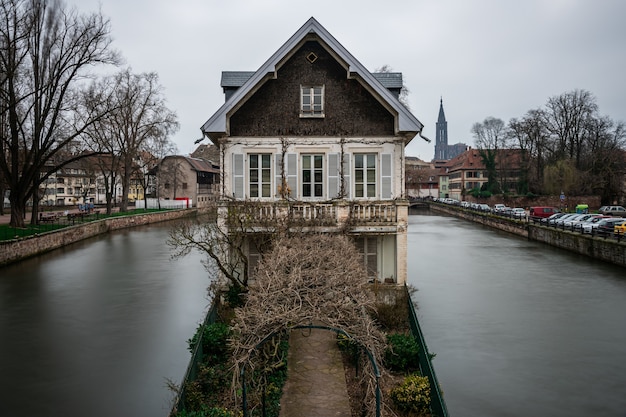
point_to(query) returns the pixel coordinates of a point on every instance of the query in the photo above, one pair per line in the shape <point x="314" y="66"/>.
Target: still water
<point x="95" y="329"/>
<point x="519" y="328"/>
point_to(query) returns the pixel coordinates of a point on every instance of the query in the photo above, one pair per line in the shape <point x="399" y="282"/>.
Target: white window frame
<point x="311" y="101"/>
<point x="365" y="178"/>
<point x="315" y="174"/>
<point x="256" y="176"/>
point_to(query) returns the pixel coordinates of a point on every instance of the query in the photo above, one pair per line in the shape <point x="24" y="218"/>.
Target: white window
<point x="368" y="248"/>
<point x="365" y="175"/>
<point x="260" y="175"/>
<point x="311" y="101"/>
<point x="312" y="175"/>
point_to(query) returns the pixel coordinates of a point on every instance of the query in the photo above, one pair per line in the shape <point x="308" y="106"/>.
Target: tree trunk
<point x="18" y="211"/>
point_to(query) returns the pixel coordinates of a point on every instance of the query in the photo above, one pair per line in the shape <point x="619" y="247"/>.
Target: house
<point x="312" y="135"/>
<point x="422" y="178"/>
<point x="73" y="184"/>
<point x="179" y="177"/>
<point x="467" y="172"/>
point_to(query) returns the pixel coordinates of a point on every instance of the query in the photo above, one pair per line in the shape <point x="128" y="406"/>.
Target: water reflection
<point x="95" y="329"/>
<point x="519" y="328"/>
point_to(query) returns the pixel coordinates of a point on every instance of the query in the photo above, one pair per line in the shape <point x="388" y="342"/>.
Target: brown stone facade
<point x="274" y="110"/>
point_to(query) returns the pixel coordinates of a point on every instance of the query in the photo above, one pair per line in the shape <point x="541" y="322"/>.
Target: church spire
<point x="441" y="140"/>
<point x="442" y="116"/>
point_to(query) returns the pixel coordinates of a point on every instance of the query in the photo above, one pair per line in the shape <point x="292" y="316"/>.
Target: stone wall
<point x="607" y="250"/>
<point x="16" y="250"/>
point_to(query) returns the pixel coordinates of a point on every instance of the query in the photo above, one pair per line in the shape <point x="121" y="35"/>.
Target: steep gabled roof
<point x="217" y="125"/>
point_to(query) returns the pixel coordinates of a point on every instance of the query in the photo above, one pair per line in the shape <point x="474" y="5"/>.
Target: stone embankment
<point x="607" y="250"/>
<point x="18" y="249"/>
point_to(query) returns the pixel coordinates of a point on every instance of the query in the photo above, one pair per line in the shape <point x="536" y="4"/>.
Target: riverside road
<point x="519" y="328"/>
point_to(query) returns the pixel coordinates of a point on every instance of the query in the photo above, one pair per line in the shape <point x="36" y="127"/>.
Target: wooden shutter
<point x="238" y="175"/>
<point x="333" y="175"/>
<point x="279" y="173"/>
<point x="292" y="174"/>
<point x="346" y="175"/>
<point x="385" y="176"/>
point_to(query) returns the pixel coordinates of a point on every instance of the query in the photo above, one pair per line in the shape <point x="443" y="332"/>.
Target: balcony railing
<point x="268" y="214"/>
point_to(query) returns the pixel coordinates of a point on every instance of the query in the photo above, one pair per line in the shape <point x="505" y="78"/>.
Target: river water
<point x="519" y="328"/>
<point x="96" y="328"/>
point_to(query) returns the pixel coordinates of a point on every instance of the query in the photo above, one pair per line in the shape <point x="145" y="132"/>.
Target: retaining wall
<point x="607" y="250"/>
<point x="16" y="250"/>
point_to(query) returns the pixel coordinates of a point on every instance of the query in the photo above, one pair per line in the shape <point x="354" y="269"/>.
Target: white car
<point x="518" y="213"/>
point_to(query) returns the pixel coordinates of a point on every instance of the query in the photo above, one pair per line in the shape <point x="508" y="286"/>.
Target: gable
<point x="274" y="109"/>
<point x="404" y="122"/>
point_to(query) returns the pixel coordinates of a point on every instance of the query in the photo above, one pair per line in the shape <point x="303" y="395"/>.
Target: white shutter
<point x="279" y="173"/>
<point x="385" y="176"/>
<point x="238" y="176"/>
<point x="292" y="174"/>
<point x="346" y="175"/>
<point x="333" y="175"/>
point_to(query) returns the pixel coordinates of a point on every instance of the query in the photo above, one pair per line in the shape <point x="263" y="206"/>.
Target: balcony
<point x="378" y="216"/>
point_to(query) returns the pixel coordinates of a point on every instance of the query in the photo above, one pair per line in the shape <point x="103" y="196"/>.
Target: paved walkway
<point x="316" y="382"/>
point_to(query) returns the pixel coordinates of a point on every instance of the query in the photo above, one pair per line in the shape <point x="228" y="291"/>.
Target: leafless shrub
<point x="307" y="279"/>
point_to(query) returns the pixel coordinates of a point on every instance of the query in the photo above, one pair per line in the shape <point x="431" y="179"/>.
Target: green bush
<point x="401" y="353"/>
<point x="413" y="394"/>
<point x="214" y="342"/>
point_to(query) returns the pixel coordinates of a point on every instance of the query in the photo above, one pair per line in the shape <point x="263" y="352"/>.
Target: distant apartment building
<point x="467" y="172"/>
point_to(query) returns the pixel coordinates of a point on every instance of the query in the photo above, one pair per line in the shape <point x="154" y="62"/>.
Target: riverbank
<point x="599" y="248"/>
<point x="18" y="249"/>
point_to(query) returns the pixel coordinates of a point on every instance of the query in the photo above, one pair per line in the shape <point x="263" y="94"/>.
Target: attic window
<point x="311" y="101"/>
<point x="311" y="57"/>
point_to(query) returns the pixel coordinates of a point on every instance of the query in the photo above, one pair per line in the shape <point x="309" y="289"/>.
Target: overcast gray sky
<point x="497" y="58"/>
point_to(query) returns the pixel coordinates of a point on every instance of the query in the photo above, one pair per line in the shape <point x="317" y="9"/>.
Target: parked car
<point x="484" y="207"/>
<point x="620" y="228"/>
<point x="518" y="213"/>
<point x="546" y="220"/>
<point x="559" y="220"/>
<point x="606" y="227"/>
<point x="586" y="219"/>
<point x="617" y="211"/>
<point x="542" y="212"/>
<point x="590" y="225"/>
<point x="499" y="208"/>
<point x="569" y="222"/>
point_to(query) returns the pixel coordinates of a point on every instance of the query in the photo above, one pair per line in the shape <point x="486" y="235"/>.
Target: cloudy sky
<point x="485" y="58"/>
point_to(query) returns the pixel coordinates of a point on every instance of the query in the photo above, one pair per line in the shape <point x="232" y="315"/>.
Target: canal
<point x="97" y="328"/>
<point x="519" y="328"/>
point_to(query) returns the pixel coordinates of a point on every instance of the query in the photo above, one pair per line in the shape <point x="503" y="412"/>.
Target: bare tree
<point x="148" y="164"/>
<point x="566" y="117"/>
<point x="490" y="137"/>
<point x="45" y="53"/>
<point x="139" y="121"/>
<point x="531" y="136"/>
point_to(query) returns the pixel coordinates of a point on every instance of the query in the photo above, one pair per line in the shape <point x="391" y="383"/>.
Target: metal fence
<point x="197" y="356"/>
<point x="437" y="405"/>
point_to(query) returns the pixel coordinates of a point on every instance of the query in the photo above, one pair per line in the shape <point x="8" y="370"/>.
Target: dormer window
<point x="311" y="101"/>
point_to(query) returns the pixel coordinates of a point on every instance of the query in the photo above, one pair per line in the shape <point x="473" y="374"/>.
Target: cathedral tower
<point x="441" y="141"/>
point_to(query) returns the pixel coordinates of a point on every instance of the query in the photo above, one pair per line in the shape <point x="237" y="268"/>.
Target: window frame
<point x="309" y="91"/>
<point x="313" y="173"/>
<point x="261" y="185"/>
<point x="366" y="183"/>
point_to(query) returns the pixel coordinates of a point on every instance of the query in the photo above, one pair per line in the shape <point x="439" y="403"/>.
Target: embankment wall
<point x="607" y="250"/>
<point x="16" y="250"/>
